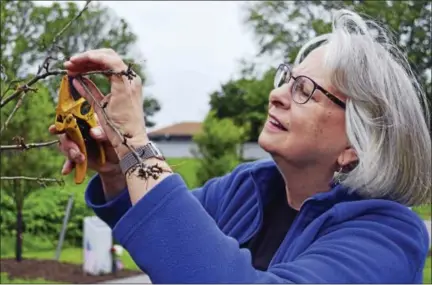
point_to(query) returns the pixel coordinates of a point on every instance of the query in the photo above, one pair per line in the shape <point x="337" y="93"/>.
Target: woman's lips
<point x="275" y="124"/>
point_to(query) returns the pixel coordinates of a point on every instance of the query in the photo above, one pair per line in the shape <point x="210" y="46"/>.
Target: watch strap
<point x="144" y="152"/>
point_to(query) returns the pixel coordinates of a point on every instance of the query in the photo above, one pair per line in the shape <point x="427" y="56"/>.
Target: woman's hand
<point x="112" y="178"/>
<point x="71" y="151"/>
<point x="123" y="106"/>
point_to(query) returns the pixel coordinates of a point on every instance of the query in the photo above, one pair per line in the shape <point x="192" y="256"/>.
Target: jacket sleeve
<point x="172" y="238"/>
<point x="112" y="211"/>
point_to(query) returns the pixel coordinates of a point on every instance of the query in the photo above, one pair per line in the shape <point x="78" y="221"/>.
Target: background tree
<point x="282" y="27"/>
<point x="218" y="147"/>
<point x="29" y="29"/>
<point x="30" y="124"/>
<point x="35" y="40"/>
<point x="245" y="101"/>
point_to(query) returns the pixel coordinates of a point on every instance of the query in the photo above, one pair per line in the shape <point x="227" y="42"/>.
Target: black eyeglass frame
<point x="287" y="69"/>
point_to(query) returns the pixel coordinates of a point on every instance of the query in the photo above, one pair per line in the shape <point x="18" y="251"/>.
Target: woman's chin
<point x="269" y="142"/>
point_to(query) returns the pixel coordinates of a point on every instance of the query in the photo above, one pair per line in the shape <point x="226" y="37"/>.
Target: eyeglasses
<point x="303" y="87"/>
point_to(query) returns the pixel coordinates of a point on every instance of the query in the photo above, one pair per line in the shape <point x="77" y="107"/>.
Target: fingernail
<point x="97" y="131"/>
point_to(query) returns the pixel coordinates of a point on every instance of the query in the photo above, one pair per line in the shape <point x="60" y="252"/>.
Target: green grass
<point x="424" y="211"/>
<point x="186" y="167"/>
<point x="37" y="248"/>
<point x="427" y="279"/>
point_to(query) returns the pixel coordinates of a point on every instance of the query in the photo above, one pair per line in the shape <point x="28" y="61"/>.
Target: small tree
<point x="219" y="145"/>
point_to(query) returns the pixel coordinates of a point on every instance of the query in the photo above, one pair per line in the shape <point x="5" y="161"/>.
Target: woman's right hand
<point x="73" y="155"/>
<point x="112" y="178"/>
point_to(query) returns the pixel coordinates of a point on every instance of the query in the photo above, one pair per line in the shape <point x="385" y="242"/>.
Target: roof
<point x="179" y="129"/>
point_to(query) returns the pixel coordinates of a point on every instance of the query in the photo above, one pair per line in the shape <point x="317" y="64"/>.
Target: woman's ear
<point x="347" y="157"/>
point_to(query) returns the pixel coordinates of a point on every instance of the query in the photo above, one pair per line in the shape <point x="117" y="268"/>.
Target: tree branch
<point x="130" y="74"/>
<point x="26" y="87"/>
<point x="9" y="88"/>
<point x="40" y="180"/>
<point x="24" y="146"/>
<point x="45" y="63"/>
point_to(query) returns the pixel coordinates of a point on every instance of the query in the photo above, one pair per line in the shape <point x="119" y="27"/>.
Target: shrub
<point x="219" y="146"/>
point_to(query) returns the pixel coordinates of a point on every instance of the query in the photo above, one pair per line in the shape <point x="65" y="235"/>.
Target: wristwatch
<point x="147" y="151"/>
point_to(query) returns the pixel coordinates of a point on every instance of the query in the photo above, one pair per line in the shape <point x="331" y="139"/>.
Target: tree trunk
<point x="19" y="226"/>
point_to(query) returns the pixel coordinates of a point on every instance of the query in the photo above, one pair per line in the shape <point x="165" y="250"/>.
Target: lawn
<point x="36" y="248"/>
<point x="427" y="271"/>
<point x="424" y="211"/>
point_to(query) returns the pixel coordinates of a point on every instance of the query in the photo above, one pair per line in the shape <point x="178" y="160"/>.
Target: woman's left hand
<point x="124" y="105"/>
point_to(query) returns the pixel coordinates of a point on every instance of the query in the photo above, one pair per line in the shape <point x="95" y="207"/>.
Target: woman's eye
<point x="300" y="88"/>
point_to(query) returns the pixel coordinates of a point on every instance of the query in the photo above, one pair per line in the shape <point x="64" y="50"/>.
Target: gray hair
<point x="385" y="120"/>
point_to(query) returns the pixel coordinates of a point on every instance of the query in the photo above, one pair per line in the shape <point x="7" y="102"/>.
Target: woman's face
<point x="311" y="133"/>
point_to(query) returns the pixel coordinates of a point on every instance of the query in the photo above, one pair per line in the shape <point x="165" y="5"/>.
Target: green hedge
<point x="44" y="209"/>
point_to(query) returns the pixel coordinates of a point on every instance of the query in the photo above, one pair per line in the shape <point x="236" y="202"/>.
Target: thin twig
<point x="110" y="123"/>
<point x="16" y="107"/>
<point x="45" y="63"/>
<point x="26" y="146"/>
<point x="9" y="87"/>
<point x="26" y="87"/>
<point x="37" y="179"/>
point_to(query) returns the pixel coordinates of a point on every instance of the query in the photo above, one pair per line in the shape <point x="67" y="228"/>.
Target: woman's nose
<point x="280" y="97"/>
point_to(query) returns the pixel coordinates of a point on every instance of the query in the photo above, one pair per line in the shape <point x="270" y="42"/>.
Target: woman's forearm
<point x="113" y="184"/>
<point x="139" y="186"/>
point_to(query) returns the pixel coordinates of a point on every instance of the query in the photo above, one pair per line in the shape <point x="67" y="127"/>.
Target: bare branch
<point x="17" y="105"/>
<point x="9" y="87"/>
<point x="39" y="180"/>
<point x="45" y="64"/>
<point x="26" y="87"/>
<point x="28" y="146"/>
<point x="124" y="137"/>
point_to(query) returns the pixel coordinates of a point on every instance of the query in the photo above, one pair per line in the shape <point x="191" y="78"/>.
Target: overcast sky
<point x="190" y="48"/>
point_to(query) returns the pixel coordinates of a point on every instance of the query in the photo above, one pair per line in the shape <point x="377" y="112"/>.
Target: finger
<point x="67" y="167"/>
<point x="70" y="149"/>
<point x="104" y="58"/>
<point x="53" y="130"/>
<point x="75" y="156"/>
<point x="74" y="69"/>
<point x="98" y="134"/>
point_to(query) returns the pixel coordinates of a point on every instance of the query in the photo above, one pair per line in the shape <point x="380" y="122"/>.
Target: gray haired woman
<point x="350" y="148"/>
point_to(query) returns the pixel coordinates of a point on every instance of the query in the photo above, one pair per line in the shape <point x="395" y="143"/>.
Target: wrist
<point x="113" y="183"/>
<point x="134" y="142"/>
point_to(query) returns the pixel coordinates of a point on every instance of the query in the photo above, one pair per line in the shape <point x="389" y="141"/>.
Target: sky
<point x="190" y="48"/>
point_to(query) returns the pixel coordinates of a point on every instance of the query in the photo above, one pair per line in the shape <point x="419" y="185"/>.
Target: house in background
<point x="175" y="141"/>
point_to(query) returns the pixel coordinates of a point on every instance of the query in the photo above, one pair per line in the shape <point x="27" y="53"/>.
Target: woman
<point x="348" y="107"/>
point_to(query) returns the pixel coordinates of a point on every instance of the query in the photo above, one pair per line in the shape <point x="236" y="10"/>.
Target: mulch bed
<point x="52" y="270"/>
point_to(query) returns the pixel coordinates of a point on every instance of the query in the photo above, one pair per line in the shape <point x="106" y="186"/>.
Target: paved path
<point x="429" y="227"/>
<point x="140" y="279"/>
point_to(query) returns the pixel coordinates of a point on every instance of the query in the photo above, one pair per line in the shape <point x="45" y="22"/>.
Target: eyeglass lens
<point x="302" y="87"/>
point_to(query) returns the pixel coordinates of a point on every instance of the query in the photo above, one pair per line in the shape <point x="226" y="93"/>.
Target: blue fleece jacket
<point x="180" y="236"/>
